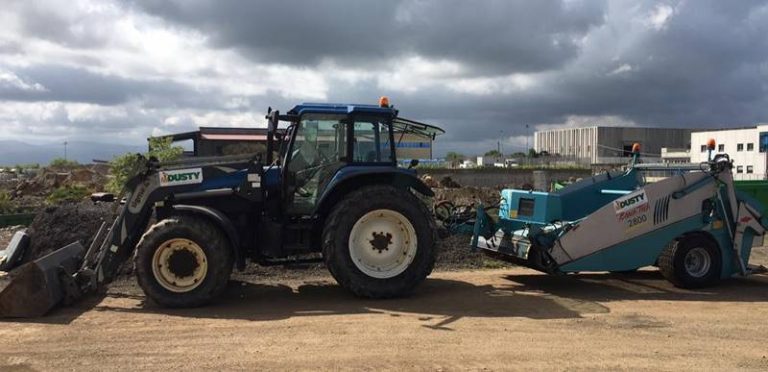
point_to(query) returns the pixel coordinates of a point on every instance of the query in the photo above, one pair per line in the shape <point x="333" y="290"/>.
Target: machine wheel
<point x="379" y="241"/>
<point x="183" y="261"/>
<point x="691" y="261"/>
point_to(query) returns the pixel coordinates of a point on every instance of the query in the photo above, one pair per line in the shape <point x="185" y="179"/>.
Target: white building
<point x="746" y="146"/>
<point x="675" y="156"/>
<point x="609" y="144"/>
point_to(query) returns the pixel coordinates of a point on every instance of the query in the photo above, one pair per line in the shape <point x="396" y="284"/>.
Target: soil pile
<point x="468" y="195"/>
<point x="57" y="226"/>
<point x="92" y="177"/>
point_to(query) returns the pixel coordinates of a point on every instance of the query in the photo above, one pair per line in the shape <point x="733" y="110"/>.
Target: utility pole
<point x="501" y="146"/>
<point x="526" y="138"/>
<point x="65" y="150"/>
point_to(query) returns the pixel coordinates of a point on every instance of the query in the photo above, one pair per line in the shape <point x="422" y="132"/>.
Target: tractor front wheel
<point x="183" y="261"/>
<point x="379" y="241"/>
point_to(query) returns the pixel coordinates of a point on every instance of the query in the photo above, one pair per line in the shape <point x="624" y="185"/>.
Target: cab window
<point x="372" y="142"/>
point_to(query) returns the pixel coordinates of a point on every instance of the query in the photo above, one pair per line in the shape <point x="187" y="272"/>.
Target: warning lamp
<point x="636" y="148"/>
<point x="711" y="144"/>
<point x="384" y="101"/>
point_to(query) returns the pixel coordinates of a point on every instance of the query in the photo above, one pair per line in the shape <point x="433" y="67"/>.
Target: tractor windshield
<point x="317" y="151"/>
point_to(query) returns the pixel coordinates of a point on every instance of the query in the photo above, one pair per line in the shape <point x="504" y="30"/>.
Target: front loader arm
<point x="70" y="272"/>
<point x="154" y="184"/>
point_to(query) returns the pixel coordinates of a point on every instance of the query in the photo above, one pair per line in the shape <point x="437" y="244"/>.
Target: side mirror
<point x="414" y="163"/>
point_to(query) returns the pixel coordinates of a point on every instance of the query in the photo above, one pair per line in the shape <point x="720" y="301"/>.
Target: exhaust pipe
<point x="38" y="286"/>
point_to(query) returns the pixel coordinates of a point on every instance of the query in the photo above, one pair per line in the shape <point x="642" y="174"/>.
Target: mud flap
<point x="40" y="285"/>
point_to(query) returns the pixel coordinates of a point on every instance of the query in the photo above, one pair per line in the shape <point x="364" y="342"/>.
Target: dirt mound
<point x="453" y="252"/>
<point x="468" y="195"/>
<point x="92" y="177"/>
<point x="57" y="226"/>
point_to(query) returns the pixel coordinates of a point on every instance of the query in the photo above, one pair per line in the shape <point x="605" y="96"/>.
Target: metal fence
<point x="16" y="219"/>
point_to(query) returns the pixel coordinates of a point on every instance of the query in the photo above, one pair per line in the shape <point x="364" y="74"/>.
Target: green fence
<point x="16" y="219"/>
<point x="756" y="189"/>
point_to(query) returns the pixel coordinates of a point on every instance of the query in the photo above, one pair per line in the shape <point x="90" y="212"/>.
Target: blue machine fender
<point x="373" y="174"/>
<point x="222" y="221"/>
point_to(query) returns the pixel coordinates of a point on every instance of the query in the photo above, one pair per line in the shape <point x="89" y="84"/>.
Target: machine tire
<point x="672" y="262"/>
<point x="350" y="212"/>
<point x="207" y="237"/>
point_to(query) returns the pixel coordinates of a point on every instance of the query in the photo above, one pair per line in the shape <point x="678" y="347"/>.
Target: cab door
<point x="318" y="150"/>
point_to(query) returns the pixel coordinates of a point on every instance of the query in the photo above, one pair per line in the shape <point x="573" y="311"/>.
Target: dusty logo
<point x="632" y="210"/>
<point x="630" y="201"/>
<point x="181" y="177"/>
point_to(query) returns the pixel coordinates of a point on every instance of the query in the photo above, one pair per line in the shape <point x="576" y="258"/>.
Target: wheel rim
<point x="382" y="243"/>
<point x="697" y="262"/>
<point x="179" y="265"/>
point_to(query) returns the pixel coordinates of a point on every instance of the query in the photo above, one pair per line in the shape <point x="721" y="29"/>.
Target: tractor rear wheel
<point x="691" y="261"/>
<point x="378" y="242"/>
<point x="183" y="261"/>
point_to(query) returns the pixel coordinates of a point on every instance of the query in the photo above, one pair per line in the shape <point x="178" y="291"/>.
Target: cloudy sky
<point x="119" y="71"/>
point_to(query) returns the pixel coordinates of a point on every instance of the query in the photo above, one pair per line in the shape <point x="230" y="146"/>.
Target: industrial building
<point x="216" y="141"/>
<point x="747" y="147"/>
<point x="608" y="145"/>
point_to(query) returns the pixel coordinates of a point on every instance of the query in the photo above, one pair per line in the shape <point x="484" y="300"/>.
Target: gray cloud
<point x="663" y="63"/>
<point x="492" y="37"/>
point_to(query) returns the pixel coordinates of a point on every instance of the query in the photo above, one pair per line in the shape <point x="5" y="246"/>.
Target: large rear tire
<point x="378" y="242"/>
<point x="183" y="261"/>
<point x="691" y="261"/>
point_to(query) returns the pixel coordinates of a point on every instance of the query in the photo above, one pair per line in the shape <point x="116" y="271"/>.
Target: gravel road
<point x="510" y="318"/>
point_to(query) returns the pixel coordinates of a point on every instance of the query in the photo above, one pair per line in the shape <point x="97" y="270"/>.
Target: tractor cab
<point x="324" y="140"/>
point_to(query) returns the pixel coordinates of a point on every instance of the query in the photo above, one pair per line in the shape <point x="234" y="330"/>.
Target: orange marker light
<point x="711" y="144"/>
<point x="636" y="148"/>
<point x="384" y="101"/>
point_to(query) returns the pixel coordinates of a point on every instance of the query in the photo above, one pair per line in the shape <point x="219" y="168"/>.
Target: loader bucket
<point x="38" y="286"/>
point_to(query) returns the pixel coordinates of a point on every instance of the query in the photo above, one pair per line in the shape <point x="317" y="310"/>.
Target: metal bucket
<point x="38" y="286"/>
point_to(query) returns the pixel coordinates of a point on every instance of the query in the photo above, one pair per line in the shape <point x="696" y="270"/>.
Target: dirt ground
<point x="510" y="318"/>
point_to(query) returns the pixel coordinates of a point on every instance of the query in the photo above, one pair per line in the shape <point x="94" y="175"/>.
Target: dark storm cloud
<point x="662" y="63"/>
<point x="489" y="38"/>
<point x="706" y="67"/>
<point x="56" y="83"/>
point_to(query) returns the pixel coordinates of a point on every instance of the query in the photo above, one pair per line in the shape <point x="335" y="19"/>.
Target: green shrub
<point x="63" y="163"/>
<point x="5" y="202"/>
<point x="125" y="166"/>
<point x="67" y="193"/>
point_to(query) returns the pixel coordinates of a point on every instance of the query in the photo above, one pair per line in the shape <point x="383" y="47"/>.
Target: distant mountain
<point x="17" y="152"/>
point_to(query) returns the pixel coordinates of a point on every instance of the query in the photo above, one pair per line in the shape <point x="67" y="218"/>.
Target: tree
<point x="125" y="166"/>
<point x="62" y="163"/>
<point x="493" y="154"/>
<point x="532" y="153"/>
<point x="454" y="158"/>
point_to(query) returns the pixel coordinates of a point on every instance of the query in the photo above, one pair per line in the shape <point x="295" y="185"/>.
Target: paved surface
<point x="501" y="319"/>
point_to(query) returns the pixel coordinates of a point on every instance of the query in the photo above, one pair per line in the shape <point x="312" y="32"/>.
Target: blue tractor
<point x="329" y="189"/>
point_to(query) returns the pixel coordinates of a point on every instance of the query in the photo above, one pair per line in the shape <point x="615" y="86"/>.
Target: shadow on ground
<point x="437" y="302"/>
<point x="646" y="285"/>
<point x="442" y="300"/>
